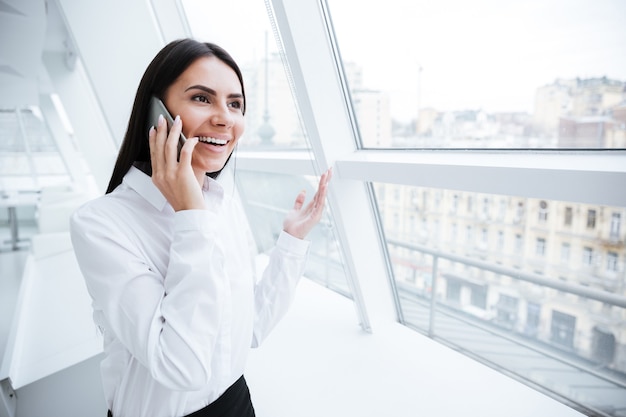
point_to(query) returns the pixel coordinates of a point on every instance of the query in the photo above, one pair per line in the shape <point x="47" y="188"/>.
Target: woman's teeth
<point x="213" y="141"/>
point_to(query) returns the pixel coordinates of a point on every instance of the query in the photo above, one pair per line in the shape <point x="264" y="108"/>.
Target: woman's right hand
<point x="174" y="176"/>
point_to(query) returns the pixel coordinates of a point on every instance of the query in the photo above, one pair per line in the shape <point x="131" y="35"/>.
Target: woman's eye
<point x="235" y="104"/>
<point x="202" y="99"/>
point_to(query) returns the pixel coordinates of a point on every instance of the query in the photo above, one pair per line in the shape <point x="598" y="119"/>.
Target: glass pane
<point x="535" y="287"/>
<point x="272" y="120"/>
<point x="267" y="198"/>
<point x="485" y="73"/>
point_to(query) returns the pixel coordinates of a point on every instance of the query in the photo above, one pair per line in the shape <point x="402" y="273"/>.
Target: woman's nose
<point x="221" y="117"/>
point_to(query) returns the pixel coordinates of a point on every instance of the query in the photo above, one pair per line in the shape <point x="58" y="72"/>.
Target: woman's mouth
<point x="212" y="141"/>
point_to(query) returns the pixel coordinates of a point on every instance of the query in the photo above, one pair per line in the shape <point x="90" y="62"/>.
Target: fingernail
<point x="150" y="130"/>
<point x="160" y="119"/>
<point x="177" y="119"/>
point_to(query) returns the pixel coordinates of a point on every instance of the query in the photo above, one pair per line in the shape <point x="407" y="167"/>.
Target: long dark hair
<point x="164" y="69"/>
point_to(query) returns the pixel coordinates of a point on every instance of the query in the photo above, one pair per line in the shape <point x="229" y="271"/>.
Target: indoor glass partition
<point x="534" y="288"/>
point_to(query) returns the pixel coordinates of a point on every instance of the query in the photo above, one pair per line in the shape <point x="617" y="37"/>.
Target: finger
<point x="299" y="200"/>
<point x="171" y="144"/>
<point x="161" y="135"/>
<point x="320" y="195"/>
<point x="187" y="150"/>
<point x="156" y="157"/>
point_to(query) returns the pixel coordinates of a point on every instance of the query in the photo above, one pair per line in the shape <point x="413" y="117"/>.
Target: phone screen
<point x="157" y="108"/>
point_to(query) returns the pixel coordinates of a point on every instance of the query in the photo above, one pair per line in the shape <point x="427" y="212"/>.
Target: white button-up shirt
<point x="175" y="294"/>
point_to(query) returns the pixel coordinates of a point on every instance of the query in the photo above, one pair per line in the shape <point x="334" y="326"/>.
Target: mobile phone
<point x="157" y="108"/>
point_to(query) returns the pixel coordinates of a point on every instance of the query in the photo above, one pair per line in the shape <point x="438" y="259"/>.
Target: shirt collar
<point x="143" y="185"/>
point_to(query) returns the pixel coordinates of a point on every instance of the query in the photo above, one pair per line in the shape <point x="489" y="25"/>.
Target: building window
<point x="591" y="219"/>
<point x="501" y="240"/>
<point x="470" y="204"/>
<point x="502" y="209"/>
<point x="587" y="256"/>
<point x="485" y="208"/>
<point x="611" y="262"/>
<point x="533" y="317"/>
<point x="616" y="225"/>
<point x="453" y="290"/>
<point x="518" y="244"/>
<point x="565" y="250"/>
<point x="478" y="297"/>
<point x="519" y="213"/>
<point x="506" y="311"/>
<point x="469" y="234"/>
<point x="543" y="211"/>
<point x="455" y="203"/>
<point x="562" y="329"/>
<point x="541" y="247"/>
<point x="568" y="216"/>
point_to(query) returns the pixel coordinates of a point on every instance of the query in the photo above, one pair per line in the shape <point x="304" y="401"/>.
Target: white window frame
<point x="324" y="104"/>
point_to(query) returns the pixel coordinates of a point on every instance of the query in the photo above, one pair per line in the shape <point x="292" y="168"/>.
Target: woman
<point x="166" y="252"/>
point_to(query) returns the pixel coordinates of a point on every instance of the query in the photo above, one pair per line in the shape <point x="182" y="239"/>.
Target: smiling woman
<point x="208" y="98"/>
<point x="173" y="286"/>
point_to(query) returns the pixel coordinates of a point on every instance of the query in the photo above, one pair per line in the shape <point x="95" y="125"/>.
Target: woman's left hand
<point x="300" y="221"/>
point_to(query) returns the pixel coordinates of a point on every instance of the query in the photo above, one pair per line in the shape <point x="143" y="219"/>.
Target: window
<point x="565" y="250"/>
<point x="568" y="216"/>
<point x="591" y="219"/>
<point x="507" y="310"/>
<point x="272" y="119"/>
<point x="540" y="249"/>
<point x="562" y="329"/>
<point x="455" y="203"/>
<point x="501" y="209"/>
<point x="611" y="262"/>
<point x="587" y="256"/>
<point x="519" y="213"/>
<point x="485" y="211"/>
<point x="616" y="224"/>
<point x="519" y="244"/>
<point x="479" y="296"/>
<point x="533" y="318"/>
<point x="543" y="211"/>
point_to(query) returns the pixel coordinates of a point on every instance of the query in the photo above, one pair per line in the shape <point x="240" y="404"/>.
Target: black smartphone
<point x="157" y="108"/>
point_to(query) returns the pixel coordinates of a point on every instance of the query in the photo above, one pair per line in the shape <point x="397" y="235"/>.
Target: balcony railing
<point x="578" y="365"/>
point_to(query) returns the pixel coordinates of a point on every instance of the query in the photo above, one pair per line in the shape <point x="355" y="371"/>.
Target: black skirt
<point x="235" y="402"/>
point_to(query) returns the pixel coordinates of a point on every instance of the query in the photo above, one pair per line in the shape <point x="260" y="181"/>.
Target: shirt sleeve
<point x="169" y="323"/>
<point x="275" y="290"/>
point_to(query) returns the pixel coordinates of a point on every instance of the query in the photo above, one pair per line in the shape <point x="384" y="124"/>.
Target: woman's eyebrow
<point x="203" y="88"/>
<point x="211" y="91"/>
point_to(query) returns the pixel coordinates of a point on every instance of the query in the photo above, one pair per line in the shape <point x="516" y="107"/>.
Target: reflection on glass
<point x="272" y="120"/>
<point x="536" y="287"/>
<point x="267" y="198"/>
<point x="486" y="73"/>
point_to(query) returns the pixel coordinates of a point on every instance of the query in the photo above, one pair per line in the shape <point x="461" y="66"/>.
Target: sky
<point x="450" y="54"/>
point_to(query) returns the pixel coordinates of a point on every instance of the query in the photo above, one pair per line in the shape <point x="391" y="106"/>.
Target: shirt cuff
<point x="292" y="244"/>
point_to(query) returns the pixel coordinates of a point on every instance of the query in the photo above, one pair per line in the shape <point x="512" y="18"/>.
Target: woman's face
<point x="209" y="100"/>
